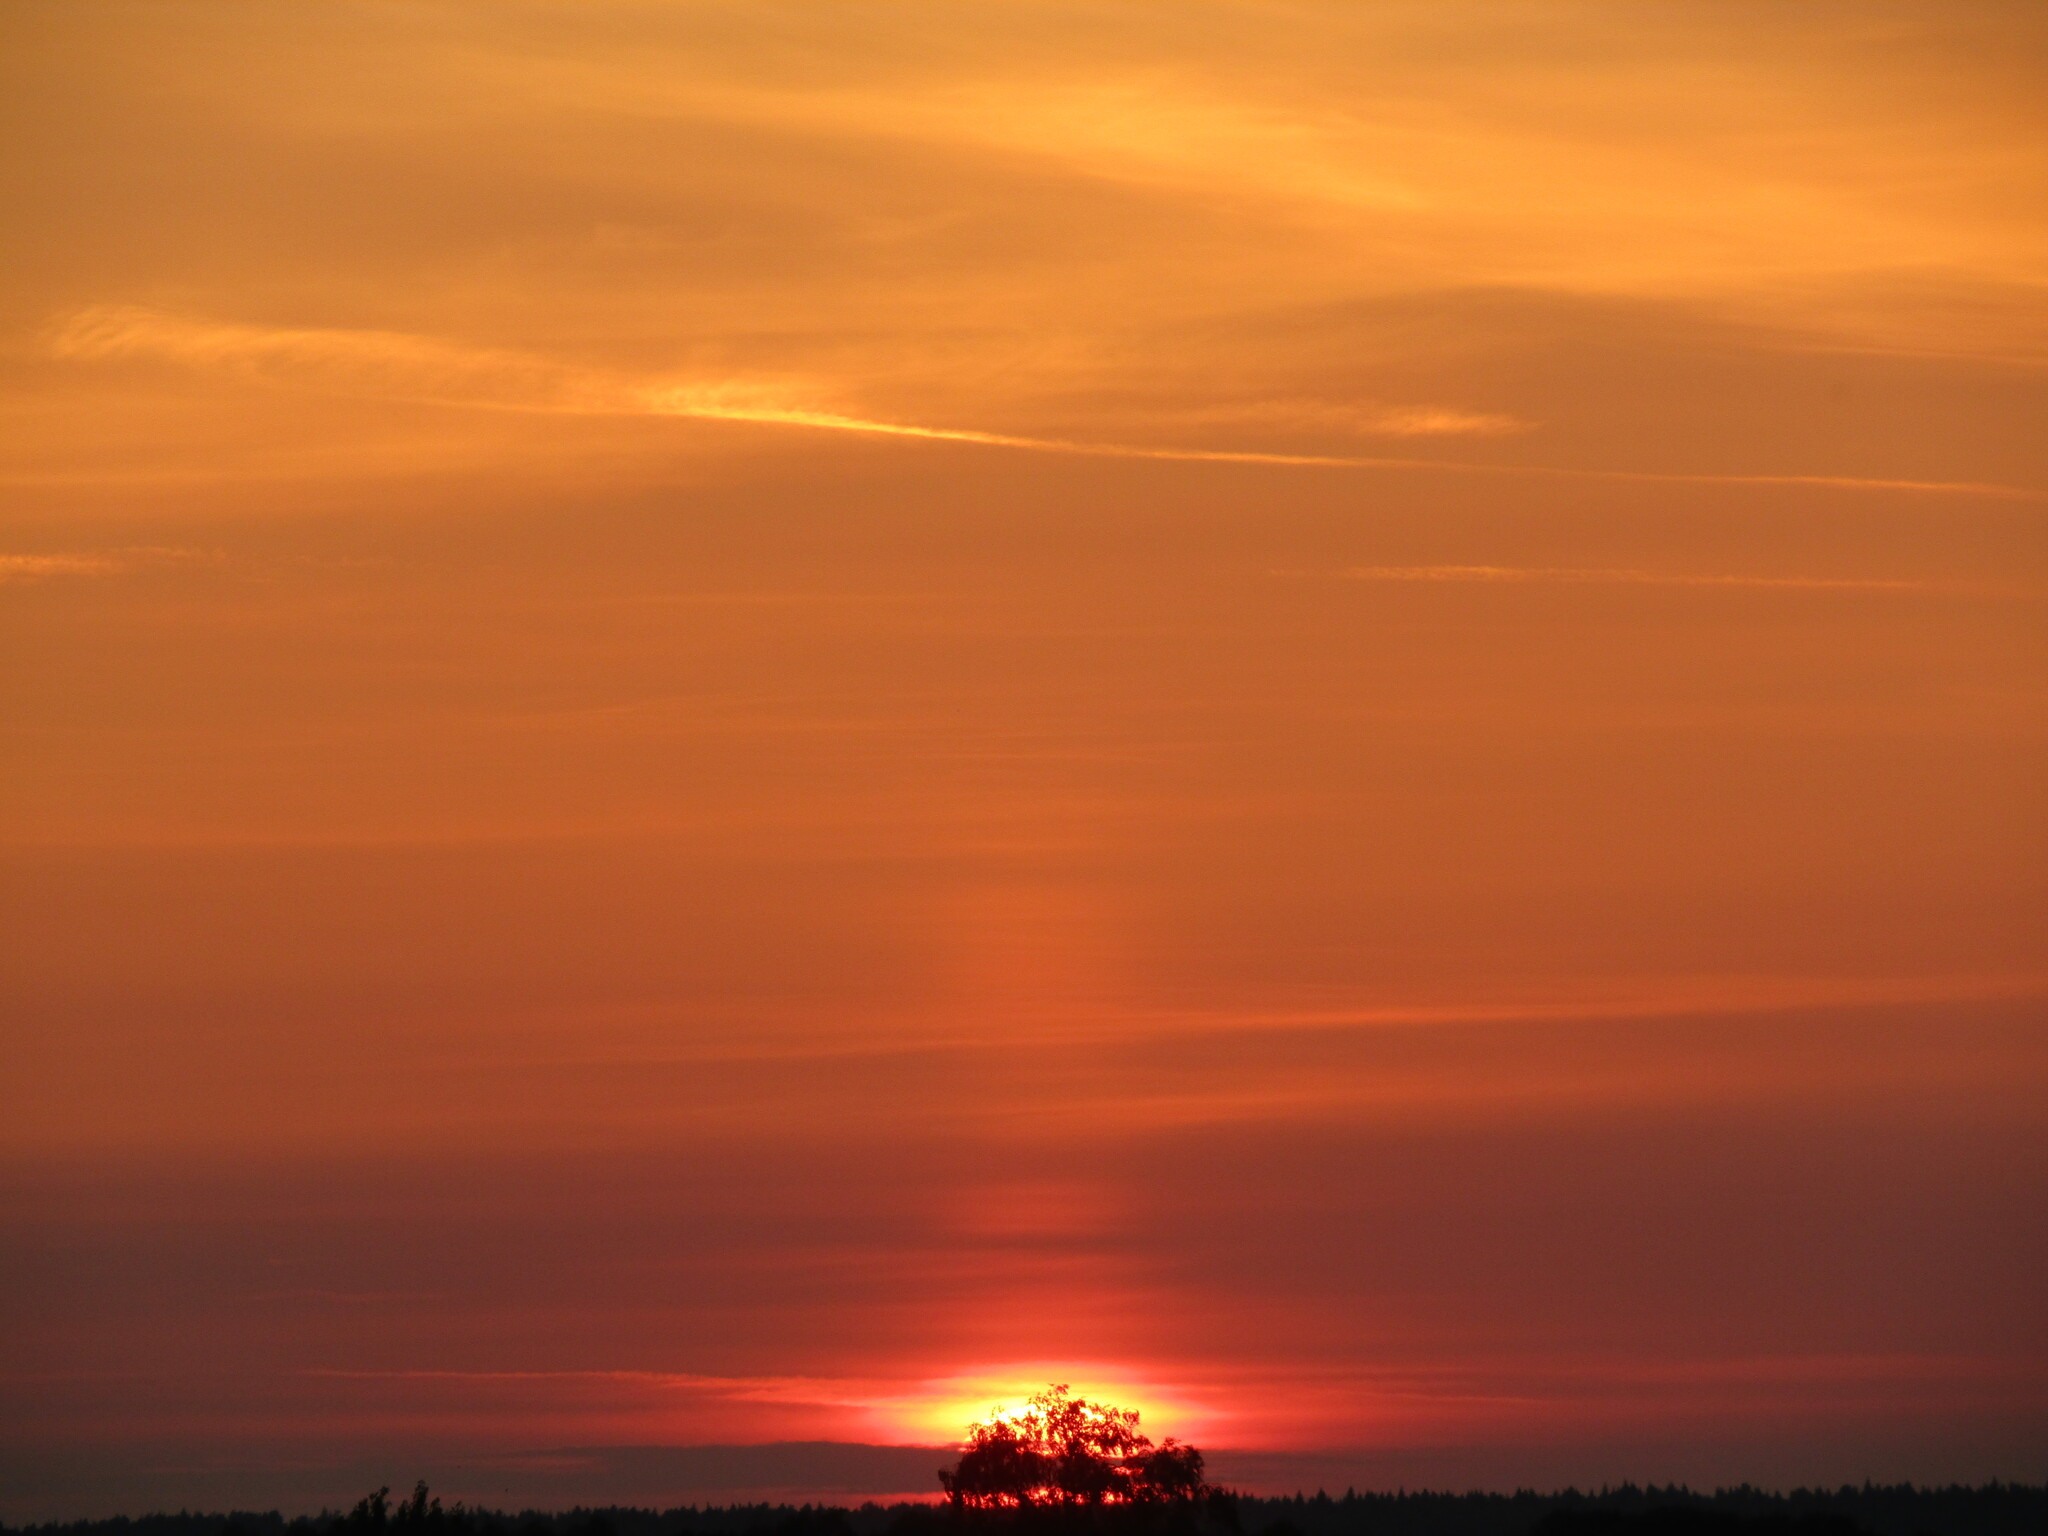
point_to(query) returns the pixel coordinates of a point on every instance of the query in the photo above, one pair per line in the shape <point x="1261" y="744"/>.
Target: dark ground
<point x="1996" y="1509"/>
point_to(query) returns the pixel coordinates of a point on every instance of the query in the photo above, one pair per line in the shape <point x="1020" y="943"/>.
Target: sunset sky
<point x="729" y="722"/>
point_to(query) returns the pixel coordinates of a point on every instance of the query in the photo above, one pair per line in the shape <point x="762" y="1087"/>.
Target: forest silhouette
<point x="1995" y="1509"/>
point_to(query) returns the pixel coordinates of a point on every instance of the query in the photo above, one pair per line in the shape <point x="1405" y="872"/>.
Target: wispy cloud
<point x="401" y="366"/>
<point x="1538" y="186"/>
<point x="1620" y="576"/>
<point x="1358" y="418"/>
<point x="107" y="562"/>
<point x="375" y="363"/>
<point x="38" y="567"/>
<point x="1442" y="421"/>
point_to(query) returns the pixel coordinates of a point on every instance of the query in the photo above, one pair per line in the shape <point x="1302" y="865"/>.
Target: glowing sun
<point x="940" y="1410"/>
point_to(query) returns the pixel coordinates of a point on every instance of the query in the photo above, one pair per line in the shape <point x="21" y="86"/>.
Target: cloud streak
<point x="112" y="562"/>
<point x="40" y="567"/>
<point x="427" y="370"/>
<point x="1623" y="576"/>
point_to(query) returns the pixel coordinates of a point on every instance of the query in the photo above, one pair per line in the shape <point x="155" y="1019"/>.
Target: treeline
<point x="1996" y="1509"/>
<point x="1993" y="1509"/>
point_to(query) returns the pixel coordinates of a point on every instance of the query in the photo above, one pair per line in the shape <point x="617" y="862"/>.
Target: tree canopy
<point x="1066" y="1450"/>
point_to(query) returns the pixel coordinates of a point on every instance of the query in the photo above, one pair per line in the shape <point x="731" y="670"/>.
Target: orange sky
<point x="731" y="722"/>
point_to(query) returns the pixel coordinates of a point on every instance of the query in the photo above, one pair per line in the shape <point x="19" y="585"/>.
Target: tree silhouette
<point x="375" y="1512"/>
<point x="1066" y="1450"/>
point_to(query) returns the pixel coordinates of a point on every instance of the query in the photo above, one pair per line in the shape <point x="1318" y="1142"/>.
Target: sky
<point x="736" y="724"/>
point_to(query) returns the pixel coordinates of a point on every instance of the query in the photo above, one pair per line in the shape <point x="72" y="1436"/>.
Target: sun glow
<point x="941" y="1410"/>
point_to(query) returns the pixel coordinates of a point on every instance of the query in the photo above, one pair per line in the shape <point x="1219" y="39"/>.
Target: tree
<point x="1066" y="1450"/>
<point x="375" y="1512"/>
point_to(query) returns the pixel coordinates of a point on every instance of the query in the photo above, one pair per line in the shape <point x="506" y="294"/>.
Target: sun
<point x="939" y="1411"/>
